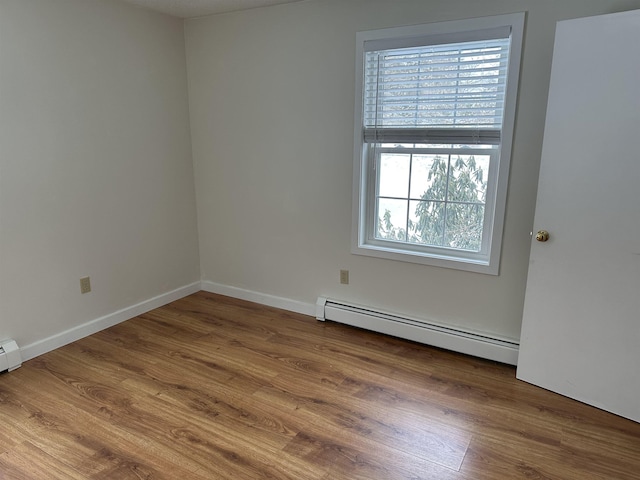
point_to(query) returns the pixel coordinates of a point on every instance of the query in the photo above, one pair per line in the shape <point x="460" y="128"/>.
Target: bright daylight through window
<point x="435" y="108"/>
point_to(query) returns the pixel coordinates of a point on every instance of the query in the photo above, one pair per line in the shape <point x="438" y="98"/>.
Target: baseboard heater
<point x="10" y="358"/>
<point x="450" y="338"/>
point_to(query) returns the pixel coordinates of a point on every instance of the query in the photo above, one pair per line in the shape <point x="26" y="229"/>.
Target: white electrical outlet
<point x="344" y="277"/>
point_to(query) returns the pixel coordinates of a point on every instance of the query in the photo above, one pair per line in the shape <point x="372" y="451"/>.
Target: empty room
<point x="319" y="239"/>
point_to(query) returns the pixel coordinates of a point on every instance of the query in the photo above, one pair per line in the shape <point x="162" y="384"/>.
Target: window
<point x="435" y="107"/>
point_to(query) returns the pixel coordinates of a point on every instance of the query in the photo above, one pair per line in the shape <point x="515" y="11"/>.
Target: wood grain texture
<point x="210" y="387"/>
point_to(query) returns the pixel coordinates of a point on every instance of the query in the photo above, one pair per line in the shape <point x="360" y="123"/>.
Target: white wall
<point x="96" y="174"/>
<point x="271" y="100"/>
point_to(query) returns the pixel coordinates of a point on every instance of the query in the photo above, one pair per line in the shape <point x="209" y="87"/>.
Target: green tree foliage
<point x="387" y="231"/>
<point x="450" y="212"/>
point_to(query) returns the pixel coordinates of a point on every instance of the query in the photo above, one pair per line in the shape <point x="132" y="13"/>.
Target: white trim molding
<point x="93" y="326"/>
<point x="451" y="338"/>
<point x="261" y="298"/>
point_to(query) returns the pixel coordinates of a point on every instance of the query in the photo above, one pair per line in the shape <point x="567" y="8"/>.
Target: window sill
<point x="432" y="259"/>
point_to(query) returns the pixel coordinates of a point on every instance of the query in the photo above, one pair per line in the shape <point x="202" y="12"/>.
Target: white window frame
<point x="364" y="175"/>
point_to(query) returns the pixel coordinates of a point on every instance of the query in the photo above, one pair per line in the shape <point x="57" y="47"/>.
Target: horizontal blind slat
<point x="457" y="136"/>
<point x="453" y="85"/>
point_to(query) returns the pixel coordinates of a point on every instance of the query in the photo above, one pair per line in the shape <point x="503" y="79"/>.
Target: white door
<point x="581" y="325"/>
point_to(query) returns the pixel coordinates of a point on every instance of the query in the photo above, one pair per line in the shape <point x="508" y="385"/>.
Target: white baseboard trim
<point x="262" y="298"/>
<point x="492" y="350"/>
<point x="89" y="328"/>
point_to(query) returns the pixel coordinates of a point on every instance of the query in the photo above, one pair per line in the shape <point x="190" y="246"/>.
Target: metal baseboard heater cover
<point x="10" y="358"/>
<point x="449" y="338"/>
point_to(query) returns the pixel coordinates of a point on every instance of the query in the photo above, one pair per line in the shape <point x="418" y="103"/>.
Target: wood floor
<point x="214" y="388"/>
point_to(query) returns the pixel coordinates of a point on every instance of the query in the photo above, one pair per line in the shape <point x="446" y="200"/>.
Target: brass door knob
<point x="542" y="236"/>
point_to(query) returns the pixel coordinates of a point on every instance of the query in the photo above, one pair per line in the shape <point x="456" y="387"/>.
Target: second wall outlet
<point x="344" y="277"/>
<point x="85" y="285"/>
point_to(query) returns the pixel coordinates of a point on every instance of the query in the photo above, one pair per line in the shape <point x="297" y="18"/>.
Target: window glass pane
<point x="426" y="222"/>
<point x="428" y="177"/>
<point x="464" y="226"/>
<point x="394" y="175"/>
<point x="468" y="176"/>
<point x="392" y="219"/>
<point x="430" y="180"/>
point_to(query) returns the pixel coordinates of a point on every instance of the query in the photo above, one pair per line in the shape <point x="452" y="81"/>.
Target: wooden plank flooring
<point x="210" y="387"/>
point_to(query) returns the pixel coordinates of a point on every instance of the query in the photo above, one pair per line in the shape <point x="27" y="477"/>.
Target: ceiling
<point x="199" y="8"/>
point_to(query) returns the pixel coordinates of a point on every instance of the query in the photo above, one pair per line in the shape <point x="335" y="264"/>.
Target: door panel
<point x="581" y="323"/>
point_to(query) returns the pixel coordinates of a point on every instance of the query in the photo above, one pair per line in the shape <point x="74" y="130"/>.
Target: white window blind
<point x="452" y="93"/>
